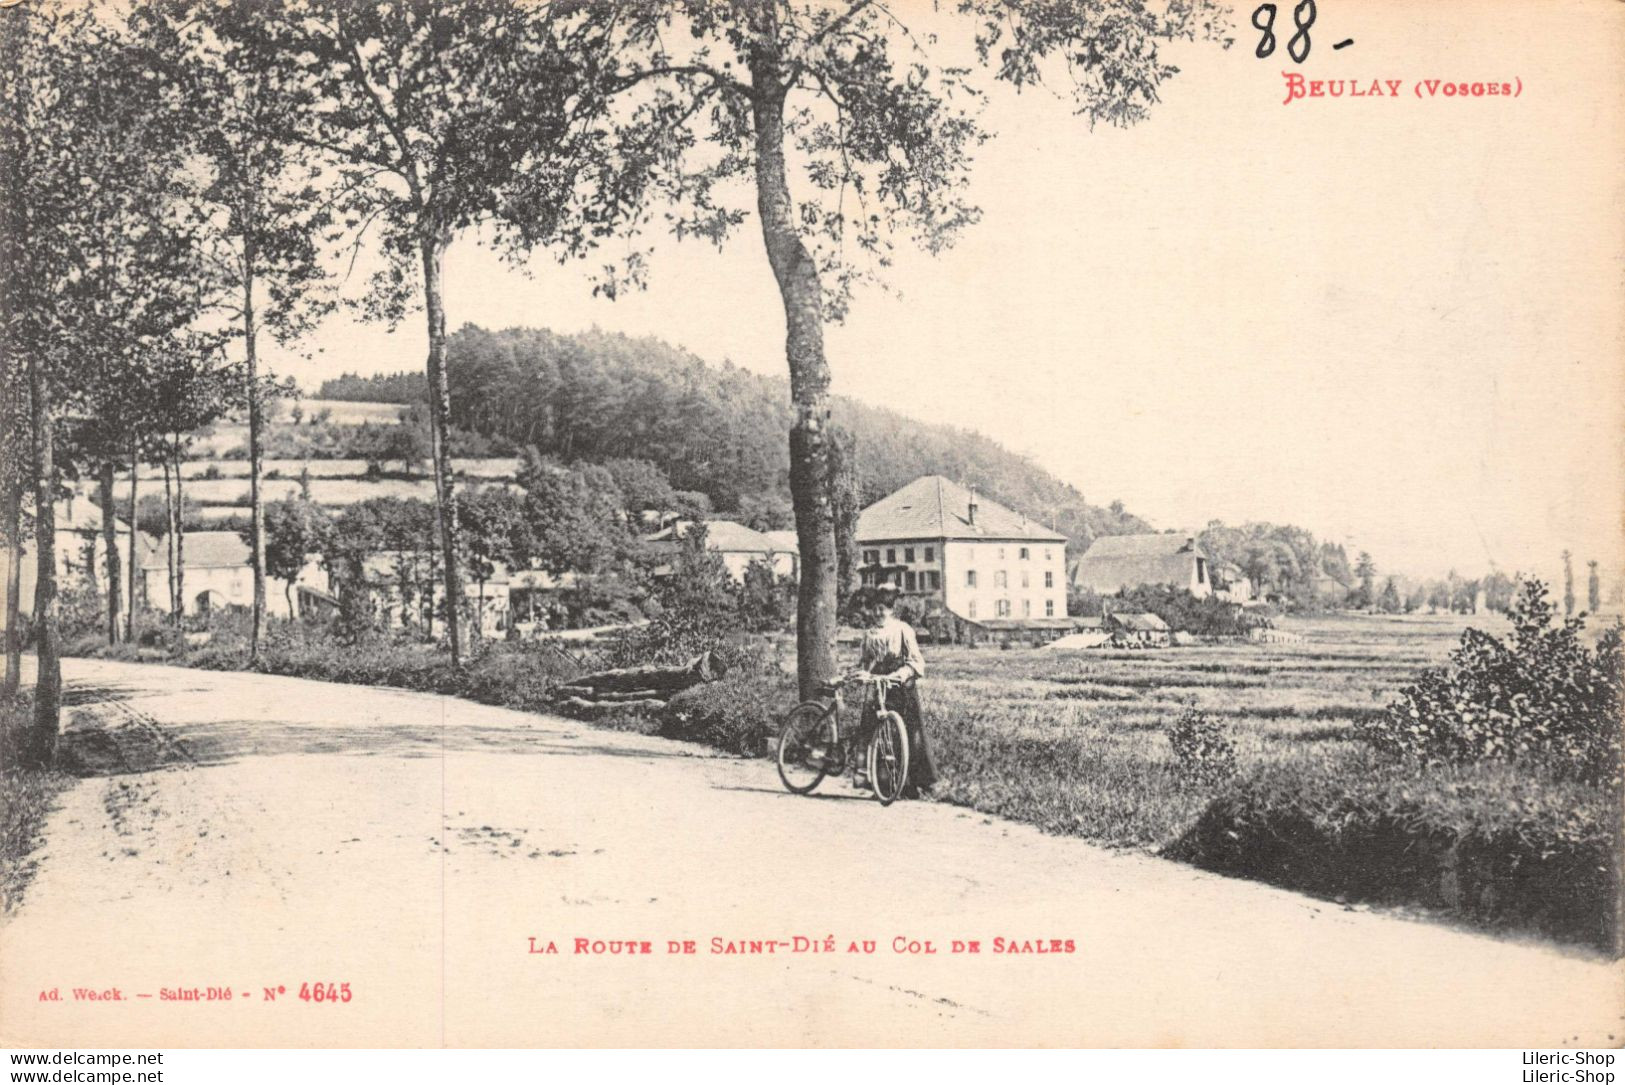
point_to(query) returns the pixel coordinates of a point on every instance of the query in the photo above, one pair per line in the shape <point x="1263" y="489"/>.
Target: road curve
<point x="413" y="846"/>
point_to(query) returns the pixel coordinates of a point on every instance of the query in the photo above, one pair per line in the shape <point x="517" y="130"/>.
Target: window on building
<point x="1049" y="555"/>
<point x="908" y="554"/>
<point x="933" y="580"/>
<point x="1026" y="608"/>
<point x="970" y="578"/>
<point x="1049" y="580"/>
<point x="909" y="582"/>
<point x="1025" y="580"/>
<point x="1002" y="608"/>
<point x="1001" y="579"/>
<point x="1201" y="571"/>
<point x="930" y="553"/>
<point x="1001" y="553"/>
<point x="891" y="556"/>
<point x="1025" y="553"/>
<point x="1049" y="608"/>
<point x="871" y="557"/>
<point x="970" y="609"/>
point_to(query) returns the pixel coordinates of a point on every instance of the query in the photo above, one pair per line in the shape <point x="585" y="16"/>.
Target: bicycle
<point x="811" y="742"/>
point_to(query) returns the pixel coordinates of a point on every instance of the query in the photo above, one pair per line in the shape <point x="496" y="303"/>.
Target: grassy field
<point x="1073" y="741"/>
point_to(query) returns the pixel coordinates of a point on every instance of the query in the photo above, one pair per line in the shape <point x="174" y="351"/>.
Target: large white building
<point x="985" y="563"/>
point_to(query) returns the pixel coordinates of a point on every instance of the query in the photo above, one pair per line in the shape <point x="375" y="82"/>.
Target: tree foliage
<point x="1539" y="695"/>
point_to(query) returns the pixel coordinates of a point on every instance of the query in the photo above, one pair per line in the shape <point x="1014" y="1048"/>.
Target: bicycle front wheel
<point x="806" y="746"/>
<point x="888" y="757"/>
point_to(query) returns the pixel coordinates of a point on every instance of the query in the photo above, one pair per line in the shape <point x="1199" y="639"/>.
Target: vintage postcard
<point x="812" y="523"/>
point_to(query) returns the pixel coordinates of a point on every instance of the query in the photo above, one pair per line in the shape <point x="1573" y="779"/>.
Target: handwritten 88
<point x="1303" y="16"/>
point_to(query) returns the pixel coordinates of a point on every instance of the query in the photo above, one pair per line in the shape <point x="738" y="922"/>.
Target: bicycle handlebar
<point x="864" y="676"/>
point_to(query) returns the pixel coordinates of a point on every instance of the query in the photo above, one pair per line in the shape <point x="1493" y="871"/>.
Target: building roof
<point x="202" y="550"/>
<point x="785" y="541"/>
<point x="932" y="507"/>
<point x="77" y="513"/>
<point x="1139" y="623"/>
<point x="725" y="536"/>
<point x="387" y="567"/>
<point x="1115" y="562"/>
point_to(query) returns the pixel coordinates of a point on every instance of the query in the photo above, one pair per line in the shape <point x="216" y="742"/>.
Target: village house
<point x="1136" y="630"/>
<point x="788" y="545"/>
<point x="81" y="556"/>
<point x="737" y="545"/>
<point x="216" y="573"/>
<point x="983" y="563"/>
<point x="1115" y="563"/>
<point x="1233" y="585"/>
<point x="405" y="590"/>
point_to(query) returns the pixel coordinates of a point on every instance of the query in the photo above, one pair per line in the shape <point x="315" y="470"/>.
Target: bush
<point x="1208" y="616"/>
<point x="1204" y="756"/>
<point x="1539" y="696"/>
<point x="1493" y="843"/>
<point x="518" y="676"/>
<point x="738" y="713"/>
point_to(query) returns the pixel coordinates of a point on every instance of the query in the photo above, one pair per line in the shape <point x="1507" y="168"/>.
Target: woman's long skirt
<point x="922" y="769"/>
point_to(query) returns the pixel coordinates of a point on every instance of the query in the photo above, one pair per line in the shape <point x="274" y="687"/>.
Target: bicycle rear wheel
<point x="806" y="745"/>
<point x="888" y="757"/>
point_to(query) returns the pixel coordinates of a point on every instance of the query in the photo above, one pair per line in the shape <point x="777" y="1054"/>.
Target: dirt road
<point x="412" y="847"/>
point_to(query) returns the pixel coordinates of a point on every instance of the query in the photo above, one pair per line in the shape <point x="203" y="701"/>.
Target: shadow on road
<point x="109" y="736"/>
<point x="823" y="796"/>
<point x="233" y="740"/>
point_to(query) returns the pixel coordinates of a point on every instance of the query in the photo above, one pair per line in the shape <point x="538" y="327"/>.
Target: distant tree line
<point x="712" y="429"/>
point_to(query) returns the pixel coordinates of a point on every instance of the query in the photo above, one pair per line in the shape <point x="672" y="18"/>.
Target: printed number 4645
<point x="324" y="992"/>
<point x="1303" y="16"/>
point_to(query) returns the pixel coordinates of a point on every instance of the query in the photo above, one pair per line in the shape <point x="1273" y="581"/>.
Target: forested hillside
<point x="715" y="429"/>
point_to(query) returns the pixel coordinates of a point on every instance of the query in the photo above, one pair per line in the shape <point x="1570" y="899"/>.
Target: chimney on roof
<point x="970" y="513"/>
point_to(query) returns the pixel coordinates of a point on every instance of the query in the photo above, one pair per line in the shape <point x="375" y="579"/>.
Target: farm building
<point x="1137" y="630"/>
<point x="1329" y="590"/>
<point x="984" y="563"/>
<point x="737" y="545"/>
<point x="1115" y="563"/>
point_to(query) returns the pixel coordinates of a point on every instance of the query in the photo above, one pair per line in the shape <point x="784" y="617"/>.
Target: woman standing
<point x="891" y="650"/>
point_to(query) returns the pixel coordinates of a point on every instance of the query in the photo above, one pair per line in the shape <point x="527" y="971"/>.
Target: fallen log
<point x="587" y="693"/>
<point x="704" y="667"/>
<point x="601" y="708"/>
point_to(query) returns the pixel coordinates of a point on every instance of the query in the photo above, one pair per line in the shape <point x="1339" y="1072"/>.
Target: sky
<point x="1394" y="321"/>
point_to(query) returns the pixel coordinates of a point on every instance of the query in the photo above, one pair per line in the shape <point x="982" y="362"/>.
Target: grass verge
<point x="27" y="795"/>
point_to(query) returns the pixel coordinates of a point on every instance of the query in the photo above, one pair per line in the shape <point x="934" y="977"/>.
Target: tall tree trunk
<point x="41" y="746"/>
<point x="180" y="538"/>
<point x="256" y="505"/>
<point x="435" y="242"/>
<point x="14" y="577"/>
<point x="810" y="450"/>
<point x="135" y="534"/>
<point x="115" y="579"/>
<point x="169" y="538"/>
